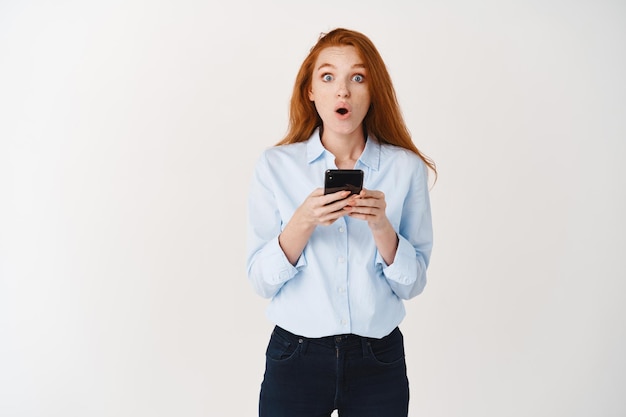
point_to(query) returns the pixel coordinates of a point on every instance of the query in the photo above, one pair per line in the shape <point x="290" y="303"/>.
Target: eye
<point x="327" y="77"/>
<point x="358" y="78"/>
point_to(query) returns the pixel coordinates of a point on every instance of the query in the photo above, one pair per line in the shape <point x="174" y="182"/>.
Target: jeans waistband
<point x="345" y="340"/>
<point x="340" y="340"/>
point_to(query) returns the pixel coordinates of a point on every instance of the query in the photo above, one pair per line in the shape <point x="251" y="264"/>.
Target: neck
<point x="346" y="148"/>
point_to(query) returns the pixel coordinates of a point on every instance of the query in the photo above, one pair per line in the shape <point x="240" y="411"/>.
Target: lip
<point x="343" y="105"/>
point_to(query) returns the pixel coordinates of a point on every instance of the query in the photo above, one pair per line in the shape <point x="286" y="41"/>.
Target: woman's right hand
<point x="317" y="209"/>
<point x="323" y="209"/>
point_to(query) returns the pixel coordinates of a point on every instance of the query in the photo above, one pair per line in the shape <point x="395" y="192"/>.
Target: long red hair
<point x="383" y="119"/>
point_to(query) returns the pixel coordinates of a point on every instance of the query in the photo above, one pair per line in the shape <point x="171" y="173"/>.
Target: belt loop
<point x="365" y="343"/>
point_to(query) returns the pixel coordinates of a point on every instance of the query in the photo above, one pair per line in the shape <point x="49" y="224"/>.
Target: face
<point x="340" y="90"/>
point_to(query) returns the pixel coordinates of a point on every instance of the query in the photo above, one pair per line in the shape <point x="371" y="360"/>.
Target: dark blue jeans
<point x="358" y="376"/>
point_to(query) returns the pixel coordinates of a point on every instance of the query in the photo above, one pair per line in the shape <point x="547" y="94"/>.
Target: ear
<point x="311" y="95"/>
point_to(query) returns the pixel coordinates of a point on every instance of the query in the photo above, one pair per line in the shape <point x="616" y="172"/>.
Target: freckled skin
<point x="339" y="78"/>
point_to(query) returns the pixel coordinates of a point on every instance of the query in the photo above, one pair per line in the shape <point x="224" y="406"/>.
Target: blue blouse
<point x="340" y="284"/>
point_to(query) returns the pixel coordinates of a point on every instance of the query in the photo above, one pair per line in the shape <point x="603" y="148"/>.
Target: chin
<point x="349" y="130"/>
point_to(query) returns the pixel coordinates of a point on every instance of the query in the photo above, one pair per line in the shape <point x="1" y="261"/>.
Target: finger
<point x="369" y="202"/>
<point x="364" y="211"/>
<point x="371" y="194"/>
<point x="330" y="218"/>
<point x="317" y="192"/>
<point x="338" y="196"/>
<point x="322" y="210"/>
<point x="340" y="206"/>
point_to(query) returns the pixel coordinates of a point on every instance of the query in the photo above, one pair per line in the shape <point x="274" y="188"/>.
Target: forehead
<point x="339" y="56"/>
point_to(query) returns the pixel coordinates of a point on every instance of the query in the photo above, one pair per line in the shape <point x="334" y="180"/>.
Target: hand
<point x="370" y="206"/>
<point x="317" y="209"/>
<point x="321" y="209"/>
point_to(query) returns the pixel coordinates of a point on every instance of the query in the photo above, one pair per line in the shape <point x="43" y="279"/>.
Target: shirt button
<point x="342" y="290"/>
<point x="344" y="322"/>
<point x="341" y="229"/>
<point x="341" y="259"/>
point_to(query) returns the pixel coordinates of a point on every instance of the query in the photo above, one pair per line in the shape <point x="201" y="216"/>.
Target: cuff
<point x="277" y="267"/>
<point x="402" y="270"/>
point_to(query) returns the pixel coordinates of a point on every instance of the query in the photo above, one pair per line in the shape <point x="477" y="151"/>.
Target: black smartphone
<point x="343" y="179"/>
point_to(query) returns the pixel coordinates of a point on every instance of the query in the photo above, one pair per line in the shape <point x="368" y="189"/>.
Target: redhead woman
<point x="338" y="267"/>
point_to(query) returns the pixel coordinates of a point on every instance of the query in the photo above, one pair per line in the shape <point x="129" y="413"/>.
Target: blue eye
<point x="327" y="77"/>
<point x="358" y="78"/>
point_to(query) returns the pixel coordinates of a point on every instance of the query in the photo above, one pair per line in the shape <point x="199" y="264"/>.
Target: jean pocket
<point x="281" y="348"/>
<point x="388" y="350"/>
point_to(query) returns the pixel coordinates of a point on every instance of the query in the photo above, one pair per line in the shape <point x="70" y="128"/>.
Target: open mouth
<point x="342" y="111"/>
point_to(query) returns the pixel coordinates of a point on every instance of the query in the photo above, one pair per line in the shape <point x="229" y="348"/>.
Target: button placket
<point x="341" y="284"/>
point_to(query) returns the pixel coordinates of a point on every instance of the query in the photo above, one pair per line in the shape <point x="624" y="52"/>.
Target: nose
<point x="343" y="91"/>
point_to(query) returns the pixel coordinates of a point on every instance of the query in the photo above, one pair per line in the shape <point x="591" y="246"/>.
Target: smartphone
<point x="343" y="179"/>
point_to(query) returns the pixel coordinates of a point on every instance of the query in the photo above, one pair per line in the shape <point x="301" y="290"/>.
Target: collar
<point x="370" y="156"/>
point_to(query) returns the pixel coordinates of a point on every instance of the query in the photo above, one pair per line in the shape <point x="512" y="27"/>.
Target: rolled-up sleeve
<point x="407" y="274"/>
<point x="267" y="266"/>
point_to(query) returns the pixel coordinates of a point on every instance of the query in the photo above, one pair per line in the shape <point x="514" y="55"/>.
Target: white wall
<point x="128" y="131"/>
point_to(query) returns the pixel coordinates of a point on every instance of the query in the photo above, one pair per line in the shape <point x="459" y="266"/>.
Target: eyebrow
<point x="332" y="66"/>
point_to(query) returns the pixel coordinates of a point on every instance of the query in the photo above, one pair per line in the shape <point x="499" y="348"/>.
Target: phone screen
<point x="343" y="179"/>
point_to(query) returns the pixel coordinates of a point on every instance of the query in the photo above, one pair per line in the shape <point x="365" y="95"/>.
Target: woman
<point x="337" y="267"/>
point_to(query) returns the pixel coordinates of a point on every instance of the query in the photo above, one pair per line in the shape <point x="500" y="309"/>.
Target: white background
<point x="128" y="132"/>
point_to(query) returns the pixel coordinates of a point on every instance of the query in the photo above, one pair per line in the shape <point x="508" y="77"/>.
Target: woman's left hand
<point x="370" y="206"/>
